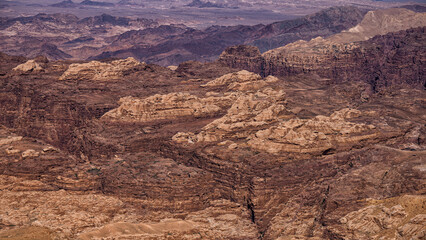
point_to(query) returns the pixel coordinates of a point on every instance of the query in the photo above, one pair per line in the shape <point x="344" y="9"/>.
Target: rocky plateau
<point x="318" y="139"/>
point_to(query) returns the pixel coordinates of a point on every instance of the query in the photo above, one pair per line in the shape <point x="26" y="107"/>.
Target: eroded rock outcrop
<point x="237" y="77"/>
<point x="175" y="105"/>
<point x="395" y="218"/>
<point x="241" y="81"/>
<point x="71" y="174"/>
<point x="353" y="54"/>
<point x="243" y="56"/>
<point x="375" y="23"/>
<point x="29" y="66"/>
<point x="251" y="110"/>
<point x="251" y="118"/>
<point x="261" y="118"/>
<point x="223" y="219"/>
<point x="167" y="106"/>
<point x="96" y="70"/>
<point x="313" y="135"/>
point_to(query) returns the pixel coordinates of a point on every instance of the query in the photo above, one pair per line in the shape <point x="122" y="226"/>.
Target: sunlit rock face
<point x="29" y="66"/>
<point x="118" y="149"/>
<point x="100" y="71"/>
<point x="314" y="135"/>
<point x="168" y="106"/>
<point x="353" y="54"/>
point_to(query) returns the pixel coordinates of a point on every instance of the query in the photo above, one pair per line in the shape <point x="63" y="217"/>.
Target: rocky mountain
<point x="206" y="45"/>
<point x="415" y="8"/>
<point x="65" y="4"/>
<point x="50" y="51"/>
<point x="127" y="150"/>
<point x="146" y="41"/>
<point x="201" y="4"/>
<point x="107" y="36"/>
<point x="322" y="138"/>
<point x="71" y="4"/>
<point x="324" y="23"/>
<point x="23" y="35"/>
<point x="130" y="3"/>
<point x="96" y="3"/>
<point x="346" y="56"/>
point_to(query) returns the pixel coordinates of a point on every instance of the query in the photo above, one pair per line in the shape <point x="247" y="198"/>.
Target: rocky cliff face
<point x="324" y="23"/>
<point x="95" y="70"/>
<point x="52" y="35"/>
<point x="207" y="44"/>
<point x="64" y="36"/>
<point x="243" y="57"/>
<point x="346" y="56"/>
<point x="121" y="149"/>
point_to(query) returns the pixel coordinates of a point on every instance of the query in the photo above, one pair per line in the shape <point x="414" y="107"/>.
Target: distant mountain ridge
<point x="107" y="36"/>
<point x="96" y="3"/>
<point x="71" y="4"/>
<point x="371" y="51"/>
<point x="201" y="4"/>
<point x="207" y="45"/>
<point x="65" y="4"/>
<point x="23" y="35"/>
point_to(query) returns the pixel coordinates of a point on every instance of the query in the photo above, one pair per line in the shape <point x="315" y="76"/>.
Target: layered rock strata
<point x="29" y="66"/>
<point x="254" y="111"/>
<point x="251" y="110"/>
<point x="101" y="71"/>
<point x="173" y="105"/>
<point x="315" y="135"/>
<point x="181" y="104"/>
<point x="66" y="172"/>
<point x="352" y="54"/>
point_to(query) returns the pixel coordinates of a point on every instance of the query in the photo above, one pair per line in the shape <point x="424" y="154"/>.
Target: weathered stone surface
<point x="173" y="105"/>
<point x="30" y="153"/>
<point x="9" y="139"/>
<point x="371" y="52"/>
<point x="140" y="230"/>
<point x="181" y="104"/>
<point x="232" y="78"/>
<point x="313" y="135"/>
<point x="388" y="219"/>
<point x="223" y="219"/>
<point x="95" y="70"/>
<point x="93" y="175"/>
<point x="243" y="57"/>
<point x="241" y="81"/>
<point x="29" y="66"/>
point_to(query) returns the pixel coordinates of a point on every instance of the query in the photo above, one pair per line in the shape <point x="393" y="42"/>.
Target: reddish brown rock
<point x="371" y="52"/>
<point x="83" y="175"/>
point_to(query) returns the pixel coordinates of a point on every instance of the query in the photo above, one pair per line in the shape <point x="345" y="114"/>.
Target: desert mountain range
<point x="64" y="36"/>
<point x="313" y="128"/>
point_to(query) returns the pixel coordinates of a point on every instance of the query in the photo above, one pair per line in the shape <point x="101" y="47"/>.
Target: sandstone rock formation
<point x="241" y="81"/>
<point x="252" y="114"/>
<point x="95" y="70"/>
<point x="351" y="54"/>
<point x="397" y="218"/>
<point x="238" y="77"/>
<point x="241" y="157"/>
<point x="379" y="22"/>
<point x="169" y="106"/>
<point x="222" y="219"/>
<point x="315" y="135"/>
<point x="181" y="104"/>
<point x="243" y="57"/>
<point x="250" y="110"/>
<point x="29" y="66"/>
